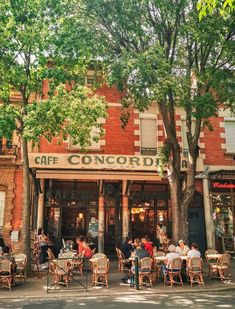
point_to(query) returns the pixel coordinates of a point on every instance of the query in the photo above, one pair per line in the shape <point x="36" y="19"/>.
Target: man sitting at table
<point x="182" y="249"/>
<point x="194" y="252"/>
<point x="147" y="245"/>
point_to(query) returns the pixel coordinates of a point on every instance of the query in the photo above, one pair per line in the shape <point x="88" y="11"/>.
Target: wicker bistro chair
<point x="157" y="265"/>
<point x="210" y="261"/>
<point x="145" y="270"/>
<point x="194" y="271"/>
<point x="222" y="267"/>
<point x="16" y="247"/>
<point x="77" y="264"/>
<point x="61" y="272"/>
<point x="100" y="269"/>
<point x="35" y="257"/>
<point x="174" y="272"/>
<point x="123" y="263"/>
<point x="99" y="255"/>
<point x="6" y="276"/>
<point x="21" y="261"/>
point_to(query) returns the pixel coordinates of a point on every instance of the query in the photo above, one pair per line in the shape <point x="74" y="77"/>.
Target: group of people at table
<point x="142" y="248"/>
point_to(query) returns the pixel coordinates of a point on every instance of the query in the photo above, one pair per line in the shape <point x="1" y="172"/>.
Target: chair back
<point x="68" y="254"/>
<point x="50" y="254"/>
<point x="102" y="264"/>
<point x="176" y="263"/>
<point x="61" y="266"/>
<point x="224" y="260"/>
<point x="93" y="252"/>
<point x="145" y="264"/>
<point x="99" y="255"/>
<point x="16" y="247"/>
<point x="120" y="255"/>
<point x="5" y="266"/>
<point x="195" y="264"/>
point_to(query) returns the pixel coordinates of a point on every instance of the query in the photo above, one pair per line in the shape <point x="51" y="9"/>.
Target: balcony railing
<point x="8" y="149"/>
<point x="148" y="151"/>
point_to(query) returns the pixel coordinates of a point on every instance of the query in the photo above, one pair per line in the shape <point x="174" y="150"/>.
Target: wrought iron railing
<point x="148" y="151"/>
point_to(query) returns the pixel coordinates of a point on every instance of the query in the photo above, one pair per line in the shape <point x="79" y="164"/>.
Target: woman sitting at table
<point x="182" y="249"/>
<point x="172" y="254"/>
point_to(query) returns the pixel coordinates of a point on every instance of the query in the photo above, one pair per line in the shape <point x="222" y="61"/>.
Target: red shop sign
<point x="223" y="185"/>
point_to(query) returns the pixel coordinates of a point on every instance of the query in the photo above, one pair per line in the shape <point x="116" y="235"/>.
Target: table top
<point x="213" y="256"/>
<point x="163" y="258"/>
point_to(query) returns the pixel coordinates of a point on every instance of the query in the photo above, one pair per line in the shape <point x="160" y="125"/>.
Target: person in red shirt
<point x="147" y="245"/>
<point x="83" y="248"/>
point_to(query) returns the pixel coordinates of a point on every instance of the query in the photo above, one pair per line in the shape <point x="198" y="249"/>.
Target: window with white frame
<point x="148" y="135"/>
<point x="184" y="135"/>
<point x="229" y="127"/>
<point x="2" y="206"/>
<point x="95" y="145"/>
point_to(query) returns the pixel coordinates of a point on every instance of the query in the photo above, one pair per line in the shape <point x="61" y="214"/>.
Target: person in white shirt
<point x="182" y="249"/>
<point x="171" y="255"/>
<point x="194" y="252"/>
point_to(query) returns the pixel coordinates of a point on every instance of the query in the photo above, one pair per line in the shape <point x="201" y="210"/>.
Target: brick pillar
<point x="101" y="224"/>
<point x="40" y="216"/>
<point x="125" y="217"/>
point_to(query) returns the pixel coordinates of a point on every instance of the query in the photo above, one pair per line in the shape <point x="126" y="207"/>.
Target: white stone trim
<point x="137" y="143"/>
<point x="222" y="135"/>
<point x="114" y="104"/>
<point x="159" y="122"/>
<point x="202" y="156"/>
<point x="159" y="144"/>
<point x="178" y="123"/>
<point x="201" y="134"/>
<point x="178" y="133"/>
<point x="160" y="133"/>
<point x="137" y="121"/>
<point x="102" y="142"/>
<point x="221" y="124"/>
<point x="201" y="145"/>
<point x="224" y="112"/>
<point x="223" y="146"/>
<point x="137" y="153"/>
<point x="148" y="116"/>
<point x="137" y="132"/>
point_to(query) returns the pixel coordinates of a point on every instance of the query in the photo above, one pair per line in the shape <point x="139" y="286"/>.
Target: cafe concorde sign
<point x="96" y="161"/>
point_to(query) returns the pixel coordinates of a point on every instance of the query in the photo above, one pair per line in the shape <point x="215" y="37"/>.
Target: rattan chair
<point x="99" y="255"/>
<point x="157" y="266"/>
<point x="123" y="263"/>
<point x="21" y="261"/>
<point x="210" y="261"/>
<point x="100" y="269"/>
<point x="35" y="257"/>
<point x="194" y="271"/>
<point x="222" y="267"/>
<point x="16" y="247"/>
<point x="6" y="276"/>
<point x="61" y="272"/>
<point x="173" y="273"/>
<point x="145" y="270"/>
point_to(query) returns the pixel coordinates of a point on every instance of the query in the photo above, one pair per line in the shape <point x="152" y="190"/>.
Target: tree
<point x="28" y="36"/>
<point x="157" y="51"/>
<point x="225" y="7"/>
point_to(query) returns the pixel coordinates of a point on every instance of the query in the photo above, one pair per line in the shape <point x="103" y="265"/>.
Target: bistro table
<point x="213" y="256"/>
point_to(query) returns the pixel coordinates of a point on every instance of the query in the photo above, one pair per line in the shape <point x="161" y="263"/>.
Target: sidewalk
<point x="37" y="287"/>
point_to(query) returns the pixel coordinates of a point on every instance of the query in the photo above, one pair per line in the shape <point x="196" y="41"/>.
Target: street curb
<point x="53" y="295"/>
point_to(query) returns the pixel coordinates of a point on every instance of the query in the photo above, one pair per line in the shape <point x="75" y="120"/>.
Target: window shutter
<point x="230" y="135"/>
<point x="148" y="133"/>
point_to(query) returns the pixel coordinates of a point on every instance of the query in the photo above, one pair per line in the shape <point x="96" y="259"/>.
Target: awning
<point x="97" y="175"/>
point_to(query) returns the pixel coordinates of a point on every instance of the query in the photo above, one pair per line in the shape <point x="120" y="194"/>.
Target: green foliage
<point x="70" y="113"/>
<point x="225" y="7"/>
<point x="8" y="120"/>
<point x="163" y="156"/>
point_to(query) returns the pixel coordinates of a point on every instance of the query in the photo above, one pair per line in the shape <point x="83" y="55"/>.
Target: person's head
<point x="128" y="240"/>
<point x="159" y="226"/>
<point x="137" y="242"/>
<point x="194" y="246"/>
<point x="171" y="248"/>
<point x="181" y="243"/>
<point x="40" y="231"/>
<point x="80" y="239"/>
<point x="142" y="246"/>
<point x="6" y="250"/>
<point x="143" y="240"/>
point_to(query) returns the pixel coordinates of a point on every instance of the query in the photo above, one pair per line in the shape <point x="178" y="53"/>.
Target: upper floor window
<point x="6" y="147"/>
<point x="229" y="126"/>
<point x="148" y="135"/>
<point x="2" y="206"/>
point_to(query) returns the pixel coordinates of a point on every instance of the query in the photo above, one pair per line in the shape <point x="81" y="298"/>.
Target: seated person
<point x="147" y="245"/>
<point x="3" y="246"/>
<point x="182" y="249"/>
<point x="83" y="249"/>
<point x="172" y="254"/>
<point x="7" y="256"/>
<point x="127" y="248"/>
<point x="194" y="252"/>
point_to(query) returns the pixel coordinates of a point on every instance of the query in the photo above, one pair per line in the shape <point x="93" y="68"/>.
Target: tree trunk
<point x="26" y="211"/>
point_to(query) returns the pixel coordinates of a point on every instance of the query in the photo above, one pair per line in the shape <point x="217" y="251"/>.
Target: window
<point x="229" y="125"/>
<point x="94" y="145"/>
<point x="184" y="135"/>
<point x="148" y="136"/>
<point x="2" y="205"/>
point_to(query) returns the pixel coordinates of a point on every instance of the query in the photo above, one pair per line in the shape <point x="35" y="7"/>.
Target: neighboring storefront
<point x="222" y="195"/>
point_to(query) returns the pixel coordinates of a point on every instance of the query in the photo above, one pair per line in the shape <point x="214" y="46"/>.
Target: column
<point x="125" y="217"/>
<point x="210" y="231"/>
<point x="40" y="215"/>
<point x="101" y="224"/>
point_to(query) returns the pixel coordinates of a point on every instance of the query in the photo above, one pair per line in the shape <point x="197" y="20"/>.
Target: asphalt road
<point x="209" y="300"/>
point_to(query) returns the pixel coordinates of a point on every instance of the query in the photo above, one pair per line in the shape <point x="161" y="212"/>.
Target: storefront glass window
<point x="223" y="220"/>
